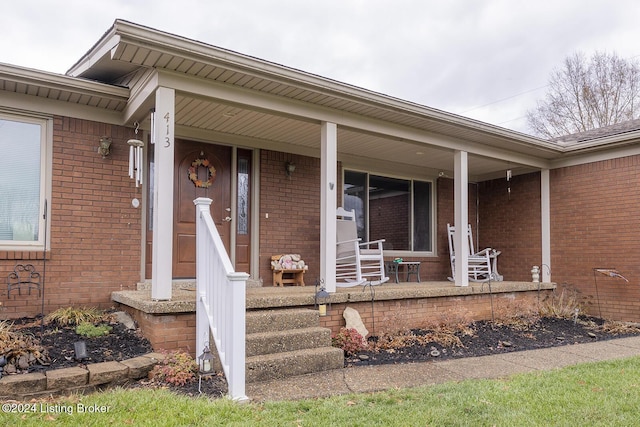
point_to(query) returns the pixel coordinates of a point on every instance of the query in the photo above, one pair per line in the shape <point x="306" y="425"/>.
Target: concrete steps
<point x="288" y="342"/>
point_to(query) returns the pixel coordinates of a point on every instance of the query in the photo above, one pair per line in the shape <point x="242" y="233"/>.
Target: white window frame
<point x="410" y="179"/>
<point x="46" y="142"/>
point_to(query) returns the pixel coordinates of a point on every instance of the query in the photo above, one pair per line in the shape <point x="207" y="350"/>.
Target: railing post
<point x="202" y="321"/>
<point x="237" y="293"/>
<point x="221" y="301"/>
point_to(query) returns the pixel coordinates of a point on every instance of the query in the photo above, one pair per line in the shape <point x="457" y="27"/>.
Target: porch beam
<point x="461" y="217"/>
<point x="162" y="270"/>
<point x="328" y="203"/>
<point x="545" y="215"/>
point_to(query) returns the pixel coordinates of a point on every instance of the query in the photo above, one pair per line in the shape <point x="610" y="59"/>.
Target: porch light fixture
<point x="104" y="149"/>
<point x="289" y="168"/>
<point x="80" y="350"/>
<point x="322" y="301"/>
<point x="205" y="361"/>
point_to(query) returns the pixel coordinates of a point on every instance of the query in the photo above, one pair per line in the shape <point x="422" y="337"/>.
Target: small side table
<point x="411" y="268"/>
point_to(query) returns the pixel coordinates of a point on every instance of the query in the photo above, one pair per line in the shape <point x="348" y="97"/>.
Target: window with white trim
<point x="397" y="210"/>
<point x="23" y="147"/>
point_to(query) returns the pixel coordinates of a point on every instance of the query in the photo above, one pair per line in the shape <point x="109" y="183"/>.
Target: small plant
<point x="177" y="368"/>
<point x="563" y="305"/>
<point x="90" y="330"/>
<point x="349" y="340"/>
<point x="73" y="316"/>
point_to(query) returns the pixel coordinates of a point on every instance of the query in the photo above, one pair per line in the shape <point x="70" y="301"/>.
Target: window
<point x="397" y="210"/>
<point x="22" y="181"/>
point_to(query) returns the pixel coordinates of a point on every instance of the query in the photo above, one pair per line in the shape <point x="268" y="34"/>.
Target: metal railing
<point x="221" y="301"/>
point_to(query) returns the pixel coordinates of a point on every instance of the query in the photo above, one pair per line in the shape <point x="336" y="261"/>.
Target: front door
<point x="201" y="170"/>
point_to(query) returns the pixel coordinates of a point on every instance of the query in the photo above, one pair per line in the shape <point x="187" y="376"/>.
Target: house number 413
<point x="167" y="138"/>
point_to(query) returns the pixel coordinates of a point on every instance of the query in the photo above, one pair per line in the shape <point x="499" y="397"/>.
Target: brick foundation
<point x="175" y="331"/>
<point x="401" y="315"/>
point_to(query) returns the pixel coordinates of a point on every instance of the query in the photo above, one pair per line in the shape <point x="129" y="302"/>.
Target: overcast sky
<point x="485" y="59"/>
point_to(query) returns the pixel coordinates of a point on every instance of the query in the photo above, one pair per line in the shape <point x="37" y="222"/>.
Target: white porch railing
<point x="221" y="301"/>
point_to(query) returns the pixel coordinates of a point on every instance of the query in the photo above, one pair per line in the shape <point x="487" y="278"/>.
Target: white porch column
<point x="328" y="204"/>
<point x="461" y="217"/>
<point x="162" y="272"/>
<point x="545" y="215"/>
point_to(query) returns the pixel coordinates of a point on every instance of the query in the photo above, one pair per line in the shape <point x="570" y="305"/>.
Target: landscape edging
<point x="78" y="379"/>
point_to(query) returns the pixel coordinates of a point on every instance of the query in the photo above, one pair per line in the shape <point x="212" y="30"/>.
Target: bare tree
<point x="586" y="95"/>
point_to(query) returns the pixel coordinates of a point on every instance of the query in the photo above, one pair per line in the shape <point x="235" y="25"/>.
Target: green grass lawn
<point x="597" y="394"/>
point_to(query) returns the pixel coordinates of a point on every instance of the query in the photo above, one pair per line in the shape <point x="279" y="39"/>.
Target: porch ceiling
<point x="261" y="128"/>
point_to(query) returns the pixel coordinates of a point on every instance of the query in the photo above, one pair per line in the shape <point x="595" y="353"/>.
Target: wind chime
<point x="135" y="157"/>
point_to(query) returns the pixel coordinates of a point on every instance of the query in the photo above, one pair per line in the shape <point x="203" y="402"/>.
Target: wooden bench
<point x="289" y="269"/>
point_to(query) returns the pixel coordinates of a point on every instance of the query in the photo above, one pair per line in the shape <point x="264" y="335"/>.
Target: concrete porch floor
<point x="184" y="294"/>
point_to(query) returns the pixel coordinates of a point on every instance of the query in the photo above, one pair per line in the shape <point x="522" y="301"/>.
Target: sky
<point x="489" y="60"/>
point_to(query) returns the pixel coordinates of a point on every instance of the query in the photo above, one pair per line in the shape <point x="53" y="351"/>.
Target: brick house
<point x="225" y="125"/>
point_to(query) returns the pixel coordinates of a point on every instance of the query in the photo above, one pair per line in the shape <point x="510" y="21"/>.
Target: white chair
<point x="482" y="264"/>
<point x="357" y="263"/>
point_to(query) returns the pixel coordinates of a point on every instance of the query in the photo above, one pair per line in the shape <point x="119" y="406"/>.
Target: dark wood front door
<point x="194" y="178"/>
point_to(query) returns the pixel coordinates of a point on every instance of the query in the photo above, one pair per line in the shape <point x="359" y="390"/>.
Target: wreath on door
<point x="193" y="173"/>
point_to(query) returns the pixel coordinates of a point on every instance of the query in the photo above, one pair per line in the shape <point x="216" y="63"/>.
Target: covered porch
<point x="335" y="133"/>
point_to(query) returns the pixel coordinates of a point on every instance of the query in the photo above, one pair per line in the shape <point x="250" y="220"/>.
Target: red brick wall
<point x="594" y="211"/>
<point x="510" y="222"/>
<point x="293" y="206"/>
<point x="167" y="331"/>
<point x="95" y="232"/>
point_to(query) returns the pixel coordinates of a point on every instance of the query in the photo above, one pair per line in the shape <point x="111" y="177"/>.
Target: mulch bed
<point x="487" y="338"/>
<point x="120" y="344"/>
<point x="494" y="338"/>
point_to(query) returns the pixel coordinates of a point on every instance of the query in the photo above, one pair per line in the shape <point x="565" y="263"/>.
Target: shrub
<point x="73" y="316"/>
<point x="177" y="368"/>
<point x="89" y="330"/>
<point x="519" y="314"/>
<point x="564" y="305"/>
<point x="349" y="340"/>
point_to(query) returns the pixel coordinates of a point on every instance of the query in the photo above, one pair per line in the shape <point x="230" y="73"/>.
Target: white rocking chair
<point x="357" y="263"/>
<point x="482" y="264"/>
